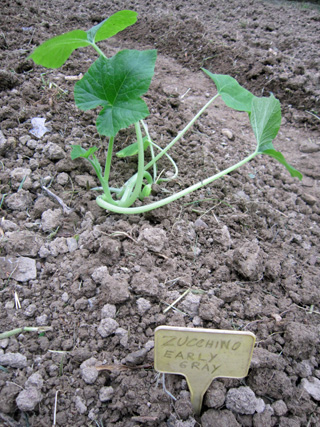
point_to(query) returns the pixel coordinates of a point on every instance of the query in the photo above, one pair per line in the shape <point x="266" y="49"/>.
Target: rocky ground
<point x="246" y="248"/>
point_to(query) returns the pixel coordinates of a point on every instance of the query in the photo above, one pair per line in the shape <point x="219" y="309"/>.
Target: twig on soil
<point x="113" y="368"/>
<point x="310" y="309"/>
<point x="38" y="329"/>
<point x="9" y="277"/>
<point x="144" y="419"/>
<point x="275" y="317"/>
<point x="65" y="208"/>
<point x="183" y="95"/>
<point x="55" y="408"/>
<point x="73" y="78"/>
<point x="31" y="38"/>
<point x="175" y="309"/>
<point x="16" y="300"/>
<point x="17" y="385"/>
<point x="312" y="114"/>
<point x="122" y="233"/>
<point x="176" y="301"/>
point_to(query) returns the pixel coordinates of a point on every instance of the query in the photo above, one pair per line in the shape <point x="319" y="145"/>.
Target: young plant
<point x="117" y="84"/>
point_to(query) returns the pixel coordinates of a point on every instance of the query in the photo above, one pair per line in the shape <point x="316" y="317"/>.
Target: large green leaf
<point x="234" y="95"/>
<point x="265" y="119"/>
<point x="112" y="25"/>
<point x="116" y="84"/>
<point x="54" y="52"/>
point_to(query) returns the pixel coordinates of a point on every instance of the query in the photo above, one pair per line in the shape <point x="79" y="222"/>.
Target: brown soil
<point x="246" y="247"/>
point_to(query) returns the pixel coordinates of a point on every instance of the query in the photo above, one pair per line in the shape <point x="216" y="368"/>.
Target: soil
<point x="247" y="247"/>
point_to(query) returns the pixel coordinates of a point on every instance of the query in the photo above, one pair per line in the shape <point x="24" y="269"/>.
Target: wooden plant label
<point x="201" y="355"/>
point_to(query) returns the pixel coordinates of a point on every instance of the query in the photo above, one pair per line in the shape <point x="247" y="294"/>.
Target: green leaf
<point x="132" y="149"/>
<point x="77" y="151"/>
<point x="279" y="156"/>
<point x="54" y="52"/>
<point x="112" y="25"/>
<point x="116" y="84"/>
<point x="265" y="120"/>
<point x="234" y="95"/>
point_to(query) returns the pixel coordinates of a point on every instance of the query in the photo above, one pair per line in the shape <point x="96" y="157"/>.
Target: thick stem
<point x="138" y="185"/>
<point x="141" y="209"/>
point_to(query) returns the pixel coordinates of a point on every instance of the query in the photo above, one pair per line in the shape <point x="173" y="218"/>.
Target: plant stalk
<point x="141" y="209"/>
<point x="138" y="184"/>
<point x="180" y="134"/>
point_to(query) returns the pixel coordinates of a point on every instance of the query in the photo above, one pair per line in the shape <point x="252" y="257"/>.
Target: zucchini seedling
<point x="117" y="84"/>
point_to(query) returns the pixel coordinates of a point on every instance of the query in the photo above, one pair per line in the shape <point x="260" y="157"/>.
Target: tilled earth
<point x="246" y="248"/>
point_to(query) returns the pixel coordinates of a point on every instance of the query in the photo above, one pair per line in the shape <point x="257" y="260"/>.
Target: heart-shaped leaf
<point x="265" y="119"/>
<point x="234" y="95"/>
<point x="116" y="84"/>
<point x="54" y="52"/>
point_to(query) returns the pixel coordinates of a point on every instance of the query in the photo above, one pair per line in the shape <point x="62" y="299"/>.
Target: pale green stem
<point x="145" y="127"/>
<point x="98" y="50"/>
<point x="106" y="176"/>
<point x="136" y="192"/>
<point x="108" y="160"/>
<point x="141" y="209"/>
<point x="180" y="134"/>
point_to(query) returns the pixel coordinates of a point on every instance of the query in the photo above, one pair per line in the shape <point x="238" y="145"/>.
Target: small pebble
<point x="106" y="394"/>
<point x="143" y="306"/>
<point x="80" y="405"/>
<point x="108" y="310"/>
<point x="136" y="358"/>
<point x="30" y="310"/>
<point x="107" y="327"/>
<point x="89" y="373"/>
<point x="228" y="134"/>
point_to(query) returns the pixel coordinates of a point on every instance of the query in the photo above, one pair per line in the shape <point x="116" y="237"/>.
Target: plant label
<point x="201" y="355"/>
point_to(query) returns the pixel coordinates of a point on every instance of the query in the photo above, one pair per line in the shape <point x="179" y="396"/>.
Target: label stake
<point x="201" y="355"/>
